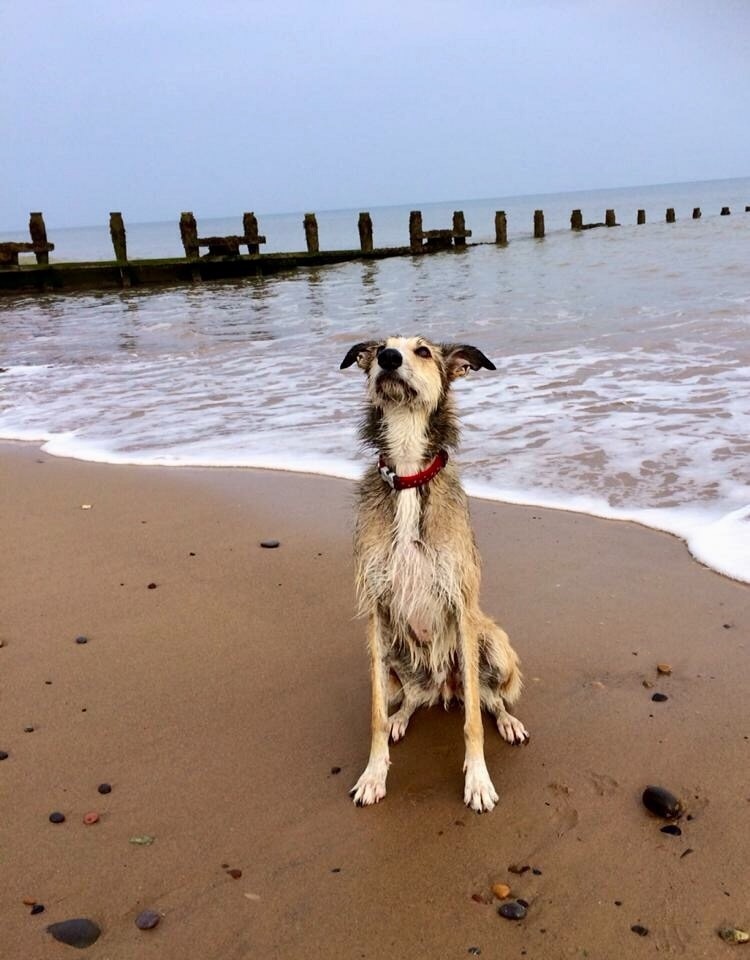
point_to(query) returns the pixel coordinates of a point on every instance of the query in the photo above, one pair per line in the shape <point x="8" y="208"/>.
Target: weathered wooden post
<point x="459" y="226"/>
<point x="670" y="215"/>
<point x="117" y="232"/>
<point x="415" y="231"/>
<point x="501" y="228"/>
<point x="696" y="213"/>
<point x="365" y="232"/>
<point x="250" y="229"/>
<point x="725" y="211"/>
<point x="538" y="224"/>
<point x="641" y="217"/>
<point x="609" y="218"/>
<point x="310" y="224"/>
<point x="38" y="233"/>
<point x="189" y="234"/>
<point x="576" y="220"/>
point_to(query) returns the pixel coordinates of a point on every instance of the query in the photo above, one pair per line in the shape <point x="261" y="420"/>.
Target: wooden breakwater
<point x="224" y="259"/>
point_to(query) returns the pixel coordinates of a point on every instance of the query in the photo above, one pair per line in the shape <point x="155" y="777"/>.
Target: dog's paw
<point x="512" y="730"/>
<point x="370" y="788"/>
<point x="397" y="725"/>
<point x="479" y="793"/>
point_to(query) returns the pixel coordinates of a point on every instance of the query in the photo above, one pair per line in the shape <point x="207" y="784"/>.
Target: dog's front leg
<point x="479" y="792"/>
<point x="370" y="788"/>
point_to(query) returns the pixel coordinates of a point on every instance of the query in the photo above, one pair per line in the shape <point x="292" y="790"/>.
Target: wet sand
<point x="218" y="704"/>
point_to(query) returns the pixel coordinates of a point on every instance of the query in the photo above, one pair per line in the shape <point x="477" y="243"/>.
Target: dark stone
<point x="659" y="697"/>
<point x="79" y="932"/>
<point x="105" y="788"/>
<point x="3" y="755"/>
<point x="152" y="586"/>
<point x="536" y="871"/>
<point x="672" y="829"/>
<point x="640" y="930"/>
<point x="661" y="802"/>
<point x="519" y="868"/>
<point x="618" y="903"/>
<point x="512" y="910"/>
<point x="524" y="903"/>
<point x="37" y="908"/>
<point x="82" y="639"/>
<point x="336" y="870"/>
<point x="474" y="951"/>
<point x="28" y="729"/>
<point x="57" y="817"/>
<point x="269" y="544"/>
<point x="147" y="919"/>
<point x="335" y="770"/>
<point x="234" y="873"/>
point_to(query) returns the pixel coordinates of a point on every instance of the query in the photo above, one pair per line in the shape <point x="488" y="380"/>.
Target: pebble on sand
<point x="82" y="639"/>
<point x="733" y="935"/>
<point x="79" y="932"/>
<point x="659" y="697"/>
<point x="28" y="728"/>
<point x="640" y="929"/>
<point x="661" y="802"/>
<point x="36" y="909"/>
<point x="501" y="891"/>
<point x="105" y="788"/>
<point x="28" y="901"/>
<point x="270" y="544"/>
<point x="234" y="873"/>
<point x="90" y="818"/>
<point x="672" y="829"/>
<point x="664" y="669"/>
<point x="57" y="817"/>
<point x="512" y="910"/>
<point x="147" y="919"/>
<point x="3" y="755"/>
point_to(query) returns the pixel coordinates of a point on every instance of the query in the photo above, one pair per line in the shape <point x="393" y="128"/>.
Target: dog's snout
<point x="390" y="359"/>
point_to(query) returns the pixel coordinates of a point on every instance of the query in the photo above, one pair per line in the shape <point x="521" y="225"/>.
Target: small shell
<point x="664" y="669"/>
<point x="733" y="935"/>
<point x="662" y="803"/>
<point x="501" y="890"/>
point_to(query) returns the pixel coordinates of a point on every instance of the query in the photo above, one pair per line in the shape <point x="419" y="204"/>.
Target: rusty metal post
<point x="189" y="234"/>
<point x="38" y="233"/>
<point x="609" y="218"/>
<point x="459" y="226"/>
<point x="576" y="220"/>
<point x="538" y="224"/>
<point x="501" y="227"/>
<point x="696" y="213"/>
<point x="365" y="232"/>
<point x="117" y="232"/>
<point x="670" y="215"/>
<point x="310" y="224"/>
<point x="415" y="231"/>
<point x="641" y="216"/>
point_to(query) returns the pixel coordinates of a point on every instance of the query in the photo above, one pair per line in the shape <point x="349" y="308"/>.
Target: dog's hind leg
<point x="479" y="792"/>
<point x="500" y="680"/>
<point x="370" y="788"/>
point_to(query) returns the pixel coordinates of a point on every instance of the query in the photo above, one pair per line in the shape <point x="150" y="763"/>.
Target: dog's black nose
<point x="390" y="359"/>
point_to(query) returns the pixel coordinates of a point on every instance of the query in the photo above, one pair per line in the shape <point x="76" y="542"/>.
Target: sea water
<point x="623" y="361"/>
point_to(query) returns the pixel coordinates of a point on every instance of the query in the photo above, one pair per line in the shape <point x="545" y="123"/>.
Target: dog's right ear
<point x="361" y="354"/>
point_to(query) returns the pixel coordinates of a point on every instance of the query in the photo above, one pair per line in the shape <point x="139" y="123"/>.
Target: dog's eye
<point x="423" y="352"/>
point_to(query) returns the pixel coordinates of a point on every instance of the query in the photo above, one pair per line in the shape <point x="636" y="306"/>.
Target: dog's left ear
<point x="461" y="357"/>
<point x="360" y="353"/>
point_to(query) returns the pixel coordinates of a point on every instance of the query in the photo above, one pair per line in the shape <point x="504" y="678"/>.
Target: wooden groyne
<point x="224" y="259"/>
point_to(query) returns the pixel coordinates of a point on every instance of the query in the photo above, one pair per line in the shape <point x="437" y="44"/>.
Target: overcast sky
<point x="221" y="106"/>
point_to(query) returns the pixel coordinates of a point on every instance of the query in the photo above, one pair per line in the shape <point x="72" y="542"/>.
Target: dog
<point x="417" y="565"/>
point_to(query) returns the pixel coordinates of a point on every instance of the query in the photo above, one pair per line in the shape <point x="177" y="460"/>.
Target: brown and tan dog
<point x="417" y="565"/>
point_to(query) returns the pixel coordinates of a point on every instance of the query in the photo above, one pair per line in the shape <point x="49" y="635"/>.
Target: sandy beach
<point x="228" y="707"/>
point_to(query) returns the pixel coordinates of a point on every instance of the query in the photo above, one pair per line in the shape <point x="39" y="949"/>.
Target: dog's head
<point x="413" y="371"/>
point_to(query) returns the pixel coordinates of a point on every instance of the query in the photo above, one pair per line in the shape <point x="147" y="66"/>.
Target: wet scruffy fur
<point x="417" y="566"/>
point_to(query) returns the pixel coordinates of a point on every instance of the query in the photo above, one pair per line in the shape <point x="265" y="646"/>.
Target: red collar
<point x="416" y="479"/>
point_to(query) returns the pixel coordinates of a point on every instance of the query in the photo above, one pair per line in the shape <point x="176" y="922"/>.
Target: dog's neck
<point x="408" y="437"/>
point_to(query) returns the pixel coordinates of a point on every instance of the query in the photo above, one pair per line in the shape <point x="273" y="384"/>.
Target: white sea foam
<point x="622" y="388"/>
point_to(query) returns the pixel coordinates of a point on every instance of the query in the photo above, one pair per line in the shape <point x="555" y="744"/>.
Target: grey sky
<point x="223" y="106"/>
